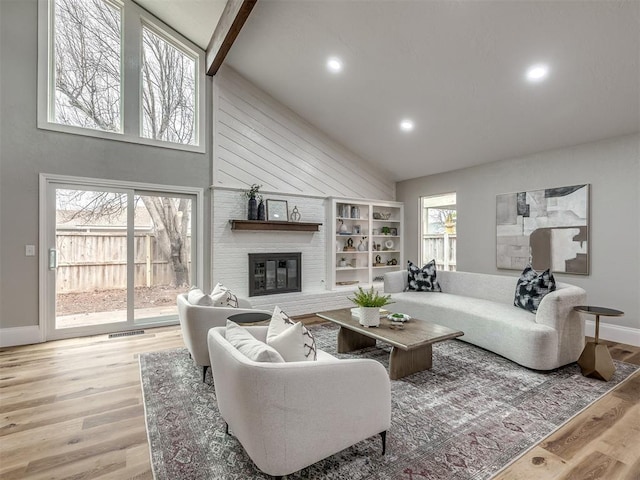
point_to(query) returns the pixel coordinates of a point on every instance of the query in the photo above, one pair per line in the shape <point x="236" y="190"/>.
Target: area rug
<point x="466" y="418"/>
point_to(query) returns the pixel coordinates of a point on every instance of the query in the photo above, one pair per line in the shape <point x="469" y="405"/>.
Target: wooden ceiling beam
<point x="233" y="17"/>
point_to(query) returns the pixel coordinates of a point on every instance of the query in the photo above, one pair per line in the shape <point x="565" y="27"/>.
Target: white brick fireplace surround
<point x="231" y="249"/>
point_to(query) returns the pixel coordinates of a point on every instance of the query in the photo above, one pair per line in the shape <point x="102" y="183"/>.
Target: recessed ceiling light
<point x="406" y="125"/>
<point x="334" y="65"/>
<point x="537" y="73"/>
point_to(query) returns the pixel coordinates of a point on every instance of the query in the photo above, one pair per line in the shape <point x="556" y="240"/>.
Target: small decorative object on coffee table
<point x="398" y="320"/>
<point x="370" y="302"/>
<point x="595" y="360"/>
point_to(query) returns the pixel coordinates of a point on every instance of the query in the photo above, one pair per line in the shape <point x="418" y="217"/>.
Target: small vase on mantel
<point x="261" y="214"/>
<point x="252" y="213"/>
<point x="252" y="195"/>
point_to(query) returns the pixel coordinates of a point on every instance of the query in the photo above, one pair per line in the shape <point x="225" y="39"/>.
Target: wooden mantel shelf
<point x="274" y="226"/>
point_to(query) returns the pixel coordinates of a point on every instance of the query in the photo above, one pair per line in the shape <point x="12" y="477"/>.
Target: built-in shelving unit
<point x="274" y="226"/>
<point x="365" y="241"/>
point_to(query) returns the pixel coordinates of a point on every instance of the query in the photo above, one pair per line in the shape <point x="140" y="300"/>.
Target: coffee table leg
<point x="406" y="362"/>
<point x="348" y="341"/>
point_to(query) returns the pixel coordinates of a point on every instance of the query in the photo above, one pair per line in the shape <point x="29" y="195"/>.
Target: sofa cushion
<point x="221" y="296"/>
<point x="198" y="297"/>
<point x="532" y="287"/>
<point x="422" y="279"/>
<point x="249" y="345"/>
<point x="292" y="340"/>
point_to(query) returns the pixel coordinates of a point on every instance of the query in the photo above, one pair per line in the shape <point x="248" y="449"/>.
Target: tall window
<point x="168" y="90"/>
<point x="438" y="230"/>
<point x="85" y="86"/>
<point x="87" y="59"/>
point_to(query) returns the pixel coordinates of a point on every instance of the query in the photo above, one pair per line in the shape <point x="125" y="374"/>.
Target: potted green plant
<point x="253" y="195"/>
<point x="385" y="231"/>
<point x="370" y="302"/>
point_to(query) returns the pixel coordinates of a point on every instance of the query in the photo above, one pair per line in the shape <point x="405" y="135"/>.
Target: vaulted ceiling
<point x="456" y="68"/>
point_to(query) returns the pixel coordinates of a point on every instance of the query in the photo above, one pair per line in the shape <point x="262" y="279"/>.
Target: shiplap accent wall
<point x="259" y="140"/>
<point x="231" y="250"/>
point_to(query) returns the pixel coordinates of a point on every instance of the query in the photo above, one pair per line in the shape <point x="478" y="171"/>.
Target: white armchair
<point x="288" y="416"/>
<point x="196" y="320"/>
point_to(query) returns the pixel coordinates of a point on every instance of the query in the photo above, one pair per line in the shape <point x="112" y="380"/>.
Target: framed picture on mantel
<point x="277" y="211"/>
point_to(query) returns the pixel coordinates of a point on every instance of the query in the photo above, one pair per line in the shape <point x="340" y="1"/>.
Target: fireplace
<point x="271" y="273"/>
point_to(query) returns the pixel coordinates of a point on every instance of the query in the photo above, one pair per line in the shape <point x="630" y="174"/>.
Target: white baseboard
<point x="13" y="336"/>
<point x="614" y="333"/>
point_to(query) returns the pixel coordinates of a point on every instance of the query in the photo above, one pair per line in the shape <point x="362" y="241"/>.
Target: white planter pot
<point x="369" y="316"/>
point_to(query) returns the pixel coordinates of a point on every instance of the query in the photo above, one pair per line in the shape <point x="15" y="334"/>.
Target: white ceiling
<point x="195" y="19"/>
<point x="455" y="67"/>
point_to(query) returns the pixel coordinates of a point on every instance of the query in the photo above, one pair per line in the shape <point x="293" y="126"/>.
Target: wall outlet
<point x="30" y="250"/>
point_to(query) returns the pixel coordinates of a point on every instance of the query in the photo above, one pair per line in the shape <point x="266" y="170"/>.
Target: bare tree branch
<point x="88" y="37"/>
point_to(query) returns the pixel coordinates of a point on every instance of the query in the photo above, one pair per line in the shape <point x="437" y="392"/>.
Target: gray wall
<point x="612" y="167"/>
<point x="26" y="151"/>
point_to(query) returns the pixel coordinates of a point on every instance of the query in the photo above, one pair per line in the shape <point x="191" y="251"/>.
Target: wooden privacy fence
<point x="442" y="248"/>
<point x="98" y="260"/>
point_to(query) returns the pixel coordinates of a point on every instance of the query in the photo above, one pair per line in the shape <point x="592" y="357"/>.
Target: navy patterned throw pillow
<point x="532" y="287"/>
<point x="422" y="279"/>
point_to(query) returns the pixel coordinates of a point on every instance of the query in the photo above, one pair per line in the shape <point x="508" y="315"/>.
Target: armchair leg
<point x="383" y="435"/>
<point x="226" y="428"/>
<point x="204" y="372"/>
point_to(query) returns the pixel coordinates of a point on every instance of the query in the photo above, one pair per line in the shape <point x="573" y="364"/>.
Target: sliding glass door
<point x="162" y="255"/>
<point x="116" y="257"/>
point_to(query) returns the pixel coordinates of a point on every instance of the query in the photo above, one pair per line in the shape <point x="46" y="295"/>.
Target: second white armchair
<point x="196" y="320"/>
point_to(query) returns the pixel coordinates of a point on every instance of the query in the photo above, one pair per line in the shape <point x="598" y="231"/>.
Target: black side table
<point x="250" y="317"/>
<point x="595" y="360"/>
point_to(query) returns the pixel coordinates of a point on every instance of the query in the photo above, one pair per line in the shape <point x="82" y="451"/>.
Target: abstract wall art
<point x="547" y="228"/>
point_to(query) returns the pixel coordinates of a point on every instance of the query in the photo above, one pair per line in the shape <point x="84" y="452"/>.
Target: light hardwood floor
<point x="73" y="409"/>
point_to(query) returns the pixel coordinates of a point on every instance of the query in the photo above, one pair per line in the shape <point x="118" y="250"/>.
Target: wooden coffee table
<point x="411" y="350"/>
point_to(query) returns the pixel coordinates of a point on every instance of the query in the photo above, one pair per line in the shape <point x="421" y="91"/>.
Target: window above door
<point x="109" y="69"/>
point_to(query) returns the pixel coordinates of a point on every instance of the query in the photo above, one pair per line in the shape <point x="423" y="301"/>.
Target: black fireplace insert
<point x="271" y="273"/>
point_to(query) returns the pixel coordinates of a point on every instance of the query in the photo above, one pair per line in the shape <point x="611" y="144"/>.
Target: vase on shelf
<point x="252" y="213"/>
<point x="261" y="214"/>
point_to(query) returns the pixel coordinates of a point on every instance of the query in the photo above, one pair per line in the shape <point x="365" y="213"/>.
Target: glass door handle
<point x="53" y="259"/>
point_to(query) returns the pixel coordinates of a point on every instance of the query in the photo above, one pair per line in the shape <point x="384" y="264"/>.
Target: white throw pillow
<point x="221" y="296"/>
<point x="198" y="297"/>
<point x="288" y="344"/>
<point x="250" y="346"/>
<point x="292" y="340"/>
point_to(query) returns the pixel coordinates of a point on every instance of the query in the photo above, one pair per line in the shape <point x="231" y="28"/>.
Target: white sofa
<point x="481" y="306"/>
<point x="196" y="320"/>
<point x="288" y="416"/>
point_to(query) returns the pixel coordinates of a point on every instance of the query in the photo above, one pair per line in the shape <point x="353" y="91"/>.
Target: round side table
<point x="595" y="360"/>
<point x="250" y="317"/>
